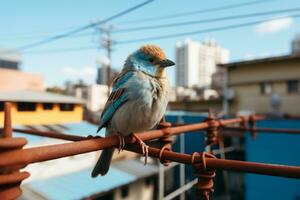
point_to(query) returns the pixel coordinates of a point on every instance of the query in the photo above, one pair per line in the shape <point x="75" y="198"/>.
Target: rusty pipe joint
<point x="10" y="176"/>
<point x="205" y="183"/>
<point x="166" y="141"/>
<point x="212" y="130"/>
<point x="252" y="124"/>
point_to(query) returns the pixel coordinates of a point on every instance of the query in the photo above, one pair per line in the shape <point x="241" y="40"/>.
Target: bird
<point x="137" y="102"/>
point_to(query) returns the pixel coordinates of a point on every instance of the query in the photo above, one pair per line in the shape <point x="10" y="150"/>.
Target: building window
<point x="47" y="106"/>
<point x="265" y="88"/>
<point x="1" y="106"/>
<point x="124" y="191"/>
<point x="293" y="86"/>
<point x="26" y="106"/>
<point x="66" y="107"/>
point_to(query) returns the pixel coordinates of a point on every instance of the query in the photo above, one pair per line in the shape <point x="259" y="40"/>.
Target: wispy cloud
<point x="274" y="26"/>
<point x="84" y="72"/>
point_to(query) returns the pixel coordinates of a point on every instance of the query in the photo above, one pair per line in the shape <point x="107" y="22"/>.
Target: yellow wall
<point x="245" y="81"/>
<point x="40" y="116"/>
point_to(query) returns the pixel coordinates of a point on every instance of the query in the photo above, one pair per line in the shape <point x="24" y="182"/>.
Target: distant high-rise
<point x="9" y="59"/>
<point x="102" y="75"/>
<point x="296" y="45"/>
<point x="196" y="62"/>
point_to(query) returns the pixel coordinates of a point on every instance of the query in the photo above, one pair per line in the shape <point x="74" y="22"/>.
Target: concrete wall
<point x="245" y="81"/>
<point x="248" y="97"/>
<point x="267" y="71"/>
<point x="17" y="80"/>
<point x="41" y="116"/>
<point x="196" y="106"/>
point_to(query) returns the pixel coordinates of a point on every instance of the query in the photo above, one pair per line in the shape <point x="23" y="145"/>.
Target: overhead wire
<point x="234" y="26"/>
<point x="185" y="23"/>
<point x="59" y="50"/>
<point x="85" y="27"/>
<point x="202" y="11"/>
<point x="45" y="33"/>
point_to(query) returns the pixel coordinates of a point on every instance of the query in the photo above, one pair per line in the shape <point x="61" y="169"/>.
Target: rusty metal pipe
<point x="7" y="130"/>
<point x="273" y="130"/>
<point x="38" y="154"/>
<point x="149" y="135"/>
<point x="51" y="134"/>
<point x="232" y="165"/>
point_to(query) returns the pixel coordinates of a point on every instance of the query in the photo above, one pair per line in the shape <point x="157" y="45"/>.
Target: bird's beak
<point x="166" y="63"/>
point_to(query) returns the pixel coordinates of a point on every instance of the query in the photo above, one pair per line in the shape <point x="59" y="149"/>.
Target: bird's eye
<point x="151" y="60"/>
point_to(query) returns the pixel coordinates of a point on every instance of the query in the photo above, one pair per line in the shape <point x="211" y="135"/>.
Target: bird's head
<point x="151" y="60"/>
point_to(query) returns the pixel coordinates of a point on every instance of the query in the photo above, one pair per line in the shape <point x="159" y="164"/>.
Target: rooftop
<point x="120" y="173"/>
<point x="37" y="96"/>
<point x="10" y="55"/>
<point x="83" y="128"/>
<point x="261" y="60"/>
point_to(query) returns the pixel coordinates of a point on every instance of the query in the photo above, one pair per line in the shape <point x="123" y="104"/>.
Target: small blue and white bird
<point x="138" y="99"/>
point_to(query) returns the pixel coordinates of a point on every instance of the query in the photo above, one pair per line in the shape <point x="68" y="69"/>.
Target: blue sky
<point x="24" y="22"/>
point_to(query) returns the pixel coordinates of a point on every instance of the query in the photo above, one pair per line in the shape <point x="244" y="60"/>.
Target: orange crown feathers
<point x="153" y="50"/>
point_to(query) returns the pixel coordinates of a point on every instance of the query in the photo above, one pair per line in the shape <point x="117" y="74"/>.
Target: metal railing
<point x="14" y="157"/>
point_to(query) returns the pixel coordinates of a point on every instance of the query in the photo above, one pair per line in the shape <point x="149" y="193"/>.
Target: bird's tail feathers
<point x="103" y="163"/>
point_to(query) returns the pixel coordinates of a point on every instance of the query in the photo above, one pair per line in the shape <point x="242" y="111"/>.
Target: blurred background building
<point x="197" y="61"/>
<point x="296" y="44"/>
<point x="11" y="76"/>
<point x="266" y="85"/>
<point x="9" y="59"/>
<point x="102" y="75"/>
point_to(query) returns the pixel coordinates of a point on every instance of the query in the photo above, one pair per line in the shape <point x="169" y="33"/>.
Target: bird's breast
<point x="143" y="111"/>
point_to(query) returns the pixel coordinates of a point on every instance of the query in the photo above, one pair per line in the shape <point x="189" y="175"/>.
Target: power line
<point x="80" y="29"/>
<point x="168" y="25"/>
<point x="43" y="36"/>
<point x="181" y="14"/>
<point x="59" y="50"/>
<point x="45" y="33"/>
<point x="201" y="31"/>
<point x="234" y="26"/>
<point x="183" y="23"/>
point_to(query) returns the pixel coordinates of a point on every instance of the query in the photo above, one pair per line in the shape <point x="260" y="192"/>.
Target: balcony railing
<point x="14" y="157"/>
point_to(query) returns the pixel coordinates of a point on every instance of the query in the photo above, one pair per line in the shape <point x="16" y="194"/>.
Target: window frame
<point x="26" y="106"/>
<point x="289" y="86"/>
<point x="64" y="107"/>
<point x="263" y="88"/>
<point x="45" y="106"/>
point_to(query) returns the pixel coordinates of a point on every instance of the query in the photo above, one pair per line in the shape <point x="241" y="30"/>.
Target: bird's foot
<point x="143" y="146"/>
<point x="121" y="143"/>
<point x="93" y="136"/>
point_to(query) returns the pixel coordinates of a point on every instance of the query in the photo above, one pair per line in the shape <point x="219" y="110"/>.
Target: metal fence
<point x="14" y="157"/>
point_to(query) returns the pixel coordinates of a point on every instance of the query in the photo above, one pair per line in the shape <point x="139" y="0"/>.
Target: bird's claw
<point x="121" y="142"/>
<point x="92" y="136"/>
<point x="144" y="147"/>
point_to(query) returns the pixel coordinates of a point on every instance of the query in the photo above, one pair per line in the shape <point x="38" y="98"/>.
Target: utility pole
<point x="106" y="43"/>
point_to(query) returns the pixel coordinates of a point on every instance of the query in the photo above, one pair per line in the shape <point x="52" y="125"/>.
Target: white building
<point x="97" y="97"/>
<point x="196" y="62"/>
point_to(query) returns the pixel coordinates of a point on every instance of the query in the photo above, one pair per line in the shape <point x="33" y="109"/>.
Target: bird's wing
<point x="116" y="99"/>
